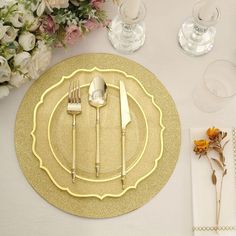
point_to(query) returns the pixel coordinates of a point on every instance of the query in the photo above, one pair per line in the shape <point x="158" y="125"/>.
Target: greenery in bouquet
<point x="29" y="29"/>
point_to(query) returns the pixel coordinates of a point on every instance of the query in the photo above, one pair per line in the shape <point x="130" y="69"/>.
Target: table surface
<point x="24" y="212"/>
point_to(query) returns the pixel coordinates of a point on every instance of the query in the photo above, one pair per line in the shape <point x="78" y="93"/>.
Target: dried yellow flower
<point x="201" y="146"/>
<point x="213" y="133"/>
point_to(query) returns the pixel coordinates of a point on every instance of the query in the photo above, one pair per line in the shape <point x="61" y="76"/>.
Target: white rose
<point x="27" y="41"/>
<point x="22" y="61"/>
<point x="22" y="16"/>
<point x="3" y="29"/>
<point x="17" y="19"/>
<point x="35" y="25"/>
<point x="17" y="79"/>
<point x="58" y="3"/>
<point x="4" y="3"/>
<point x="30" y="21"/>
<point x="27" y="15"/>
<point x="29" y="18"/>
<point x="40" y="60"/>
<point x="4" y="91"/>
<point x="5" y="71"/>
<point x="10" y="35"/>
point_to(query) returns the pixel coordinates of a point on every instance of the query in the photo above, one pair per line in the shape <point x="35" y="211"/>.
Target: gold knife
<point x="125" y="120"/>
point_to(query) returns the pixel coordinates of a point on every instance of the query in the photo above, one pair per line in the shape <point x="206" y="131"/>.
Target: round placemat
<point x="93" y="207"/>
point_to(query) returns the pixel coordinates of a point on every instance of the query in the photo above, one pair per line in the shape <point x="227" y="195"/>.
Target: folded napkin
<point x="203" y="190"/>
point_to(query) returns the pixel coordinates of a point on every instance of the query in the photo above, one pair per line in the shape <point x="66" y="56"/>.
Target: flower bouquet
<point x="29" y="29"/>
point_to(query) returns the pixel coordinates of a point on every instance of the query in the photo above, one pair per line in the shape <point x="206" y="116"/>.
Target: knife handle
<point x="123" y="167"/>
<point x="97" y="162"/>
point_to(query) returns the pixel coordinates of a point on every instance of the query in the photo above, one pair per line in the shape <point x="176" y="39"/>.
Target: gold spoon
<point x="97" y="99"/>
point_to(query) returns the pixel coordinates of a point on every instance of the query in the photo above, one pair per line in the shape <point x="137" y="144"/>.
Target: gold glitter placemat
<point x="94" y="207"/>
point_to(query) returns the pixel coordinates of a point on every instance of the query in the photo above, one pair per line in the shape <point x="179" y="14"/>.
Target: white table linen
<point x="24" y="212"/>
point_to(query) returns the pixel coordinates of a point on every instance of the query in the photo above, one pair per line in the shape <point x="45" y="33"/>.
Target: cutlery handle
<point x="123" y="167"/>
<point x="73" y="147"/>
<point x="97" y="162"/>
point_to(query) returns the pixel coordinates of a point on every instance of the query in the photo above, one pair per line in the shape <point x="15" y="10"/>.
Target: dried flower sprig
<point x="214" y="142"/>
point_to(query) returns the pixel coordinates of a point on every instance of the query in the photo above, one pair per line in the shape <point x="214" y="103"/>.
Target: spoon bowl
<point x="98" y="93"/>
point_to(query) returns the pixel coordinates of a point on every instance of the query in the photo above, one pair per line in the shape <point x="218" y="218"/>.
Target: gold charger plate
<point x="52" y="143"/>
<point x="93" y="206"/>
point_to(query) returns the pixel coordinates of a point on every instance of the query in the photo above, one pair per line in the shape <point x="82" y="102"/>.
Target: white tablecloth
<point x="24" y="212"/>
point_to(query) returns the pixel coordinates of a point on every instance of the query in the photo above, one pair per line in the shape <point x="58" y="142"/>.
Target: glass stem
<point x="127" y="30"/>
<point x="198" y="32"/>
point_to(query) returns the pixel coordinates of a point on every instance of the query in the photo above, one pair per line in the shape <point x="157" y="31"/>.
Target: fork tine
<point x="75" y="92"/>
<point x="69" y="93"/>
<point x="78" y="92"/>
<point x="72" y="91"/>
<point x="74" y="95"/>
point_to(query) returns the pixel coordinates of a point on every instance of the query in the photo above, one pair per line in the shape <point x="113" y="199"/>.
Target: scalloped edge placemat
<point x="93" y="207"/>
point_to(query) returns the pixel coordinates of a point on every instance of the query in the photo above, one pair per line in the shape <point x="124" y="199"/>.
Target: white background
<point x="23" y="212"/>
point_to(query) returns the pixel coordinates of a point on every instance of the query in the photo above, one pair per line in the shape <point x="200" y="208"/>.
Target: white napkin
<point x="203" y="191"/>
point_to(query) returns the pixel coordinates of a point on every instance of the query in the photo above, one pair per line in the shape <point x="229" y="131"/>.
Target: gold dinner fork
<point x="74" y="109"/>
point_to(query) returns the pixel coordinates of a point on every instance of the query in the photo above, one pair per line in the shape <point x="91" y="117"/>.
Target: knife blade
<point x="125" y="120"/>
<point x="124" y="106"/>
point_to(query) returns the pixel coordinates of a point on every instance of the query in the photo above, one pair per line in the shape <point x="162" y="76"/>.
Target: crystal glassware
<point x="217" y="88"/>
<point x="196" y="35"/>
<point x="126" y="34"/>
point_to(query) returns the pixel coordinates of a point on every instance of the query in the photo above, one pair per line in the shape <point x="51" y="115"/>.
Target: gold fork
<point x="74" y="109"/>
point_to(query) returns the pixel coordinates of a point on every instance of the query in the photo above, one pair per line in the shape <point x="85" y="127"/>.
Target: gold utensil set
<point x="97" y="98"/>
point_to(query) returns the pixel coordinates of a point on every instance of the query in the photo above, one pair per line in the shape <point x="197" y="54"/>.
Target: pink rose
<point x="72" y="34"/>
<point x="97" y="3"/>
<point x="91" y="24"/>
<point x="48" y="25"/>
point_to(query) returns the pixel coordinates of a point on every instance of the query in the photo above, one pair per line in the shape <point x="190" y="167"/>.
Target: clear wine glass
<point x="196" y="36"/>
<point x="126" y="34"/>
<point x="217" y="88"/>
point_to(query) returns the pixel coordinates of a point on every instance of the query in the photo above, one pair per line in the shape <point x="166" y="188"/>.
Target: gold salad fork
<point x="74" y="109"/>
